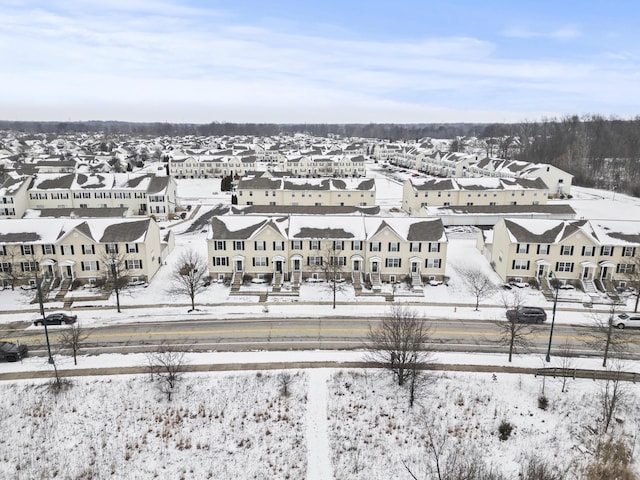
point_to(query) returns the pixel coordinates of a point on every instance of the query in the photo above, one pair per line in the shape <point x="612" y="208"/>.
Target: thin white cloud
<point x="562" y="33"/>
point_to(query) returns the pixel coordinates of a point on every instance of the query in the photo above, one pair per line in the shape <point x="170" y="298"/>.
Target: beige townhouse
<point x="418" y="193"/>
<point x="261" y="190"/>
<point x="141" y="194"/>
<point x="302" y="247"/>
<point x="595" y="255"/>
<point x="14" y="199"/>
<point x="66" y="250"/>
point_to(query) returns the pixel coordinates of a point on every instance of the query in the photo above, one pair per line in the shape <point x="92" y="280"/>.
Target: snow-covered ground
<point x="334" y="423"/>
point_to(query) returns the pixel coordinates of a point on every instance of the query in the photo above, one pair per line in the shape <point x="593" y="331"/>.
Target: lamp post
<point x="553" y="316"/>
<point x="44" y="321"/>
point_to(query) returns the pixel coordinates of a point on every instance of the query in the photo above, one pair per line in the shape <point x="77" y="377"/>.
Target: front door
<point x="374" y="267"/>
<point x="540" y="270"/>
<point x="69" y="271"/>
<point x="585" y="272"/>
<point x="238" y="265"/>
<point x="414" y="267"/>
<point x="278" y="266"/>
<point x="296" y="264"/>
<point x="603" y="273"/>
<point x="356" y="265"/>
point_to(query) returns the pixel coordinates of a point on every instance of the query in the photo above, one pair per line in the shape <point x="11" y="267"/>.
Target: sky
<point x="282" y="61"/>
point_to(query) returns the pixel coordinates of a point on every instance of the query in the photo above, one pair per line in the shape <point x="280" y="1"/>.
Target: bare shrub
<point x="166" y="365"/>
<point x="504" y="430"/>
<point x="536" y="468"/>
<point x="612" y="461"/>
<point x="284" y="382"/>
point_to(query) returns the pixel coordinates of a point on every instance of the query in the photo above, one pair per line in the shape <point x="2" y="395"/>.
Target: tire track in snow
<point x="318" y="452"/>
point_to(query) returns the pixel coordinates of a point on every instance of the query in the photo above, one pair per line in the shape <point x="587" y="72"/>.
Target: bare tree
<point x="603" y="336"/>
<point x="632" y="276"/>
<point x="477" y="283"/>
<point x="188" y="277"/>
<point x="166" y="365"/>
<point x="117" y="277"/>
<point x="512" y="333"/>
<point x="9" y="271"/>
<point x="72" y="339"/>
<point x="566" y="364"/>
<point x="612" y="393"/>
<point x="332" y="265"/>
<point x="399" y="345"/>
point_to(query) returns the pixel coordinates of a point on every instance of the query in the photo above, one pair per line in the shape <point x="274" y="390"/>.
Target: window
<point x="434" y="247"/>
<point x="338" y="245"/>
<point x="394" y="246"/>
<point x="415" y="246"/>
<point x="90" y="266"/>
<point x="433" y="262"/>
<point x="3" y="250"/>
<point x="66" y="249"/>
<point x="132" y="248"/>
<point x="356" y="245"/>
<point x="260" y="245"/>
<point x="238" y="245"/>
<point x="219" y="245"/>
<point x="279" y="246"/>
<point x="566" y="250"/>
<point x="564" y="266"/>
<point x="374" y="246"/>
<point x="260" y="261"/>
<point x="627" y="268"/>
<point x="111" y="248"/>
<point x="48" y="249"/>
<point x="5" y="267"/>
<point x="29" y="266"/>
<point x="220" y="261"/>
<point x="88" y="250"/>
<point x="588" y="251"/>
<point x="338" y="261"/>
<point x="522" y="248"/>
<point x="606" y="250"/>
<point x="314" y="244"/>
<point x="296" y="244"/>
<point x="393" y="262"/>
<point x="543" y="249"/>
<point x="314" y="261"/>
<point x="520" y="265"/>
<point x="27" y="249"/>
<point x="133" y="264"/>
<point x="628" y="251"/>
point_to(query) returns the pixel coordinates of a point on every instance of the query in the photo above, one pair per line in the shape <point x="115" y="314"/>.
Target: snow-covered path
<point x="318" y="457"/>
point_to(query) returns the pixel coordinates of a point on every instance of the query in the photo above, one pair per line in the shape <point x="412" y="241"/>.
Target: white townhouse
<point x="419" y="193"/>
<point x="596" y="255"/>
<point x="140" y="193"/>
<point x="66" y="250"/>
<point x="306" y="192"/>
<point x="14" y="198"/>
<point x="297" y="247"/>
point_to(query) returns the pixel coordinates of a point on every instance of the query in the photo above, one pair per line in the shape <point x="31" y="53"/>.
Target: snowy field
<point x="342" y="424"/>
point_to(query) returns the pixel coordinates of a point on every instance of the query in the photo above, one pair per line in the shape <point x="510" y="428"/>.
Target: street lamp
<point x="553" y="317"/>
<point x="44" y="321"/>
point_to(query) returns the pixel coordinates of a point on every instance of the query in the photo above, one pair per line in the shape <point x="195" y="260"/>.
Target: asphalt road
<point x="302" y="334"/>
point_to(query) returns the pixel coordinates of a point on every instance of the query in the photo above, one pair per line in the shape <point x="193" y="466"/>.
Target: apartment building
<point x="141" y="194"/>
<point x="418" y="193"/>
<point x="62" y="251"/>
<point x="596" y="254"/>
<point x="261" y="190"/>
<point x="13" y="195"/>
<point x="300" y="247"/>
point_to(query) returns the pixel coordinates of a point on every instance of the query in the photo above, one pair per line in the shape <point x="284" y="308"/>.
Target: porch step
<point x="236" y="281"/>
<point x="263" y="297"/>
<point x="589" y="287"/>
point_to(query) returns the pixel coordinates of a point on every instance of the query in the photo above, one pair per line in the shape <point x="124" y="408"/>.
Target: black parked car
<point x="12" y="352"/>
<point x="527" y="315"/>
<point x="56" y="319"/>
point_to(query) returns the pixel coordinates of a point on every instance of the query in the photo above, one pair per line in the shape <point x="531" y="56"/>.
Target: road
<point x="300" y="334"/>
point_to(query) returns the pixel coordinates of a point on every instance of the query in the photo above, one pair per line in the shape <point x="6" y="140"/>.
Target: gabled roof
<point x="545" y="231"/>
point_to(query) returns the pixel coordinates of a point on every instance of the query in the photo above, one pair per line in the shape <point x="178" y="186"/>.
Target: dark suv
<point x="527" y="315"/>
<point x="12" y="352"/>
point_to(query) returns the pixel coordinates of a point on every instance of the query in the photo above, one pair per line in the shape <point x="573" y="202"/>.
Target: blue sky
<point x="321" y="61"/>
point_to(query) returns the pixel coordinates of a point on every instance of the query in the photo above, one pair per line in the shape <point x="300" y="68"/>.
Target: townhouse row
<point x="328" y="192"/>
<point x="598" y="255"/>
<point x="138" y="194"/>
<point x="61" y="251"/>
<point x="223" y="164"/>
<point x="296" y="248"/>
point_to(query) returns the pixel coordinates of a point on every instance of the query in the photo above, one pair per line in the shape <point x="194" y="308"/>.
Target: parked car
<point x="628" y="321"/>
<point x="56" y="319"/>
<point x="12" y="352"/>
<point x="527" y="315"/>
